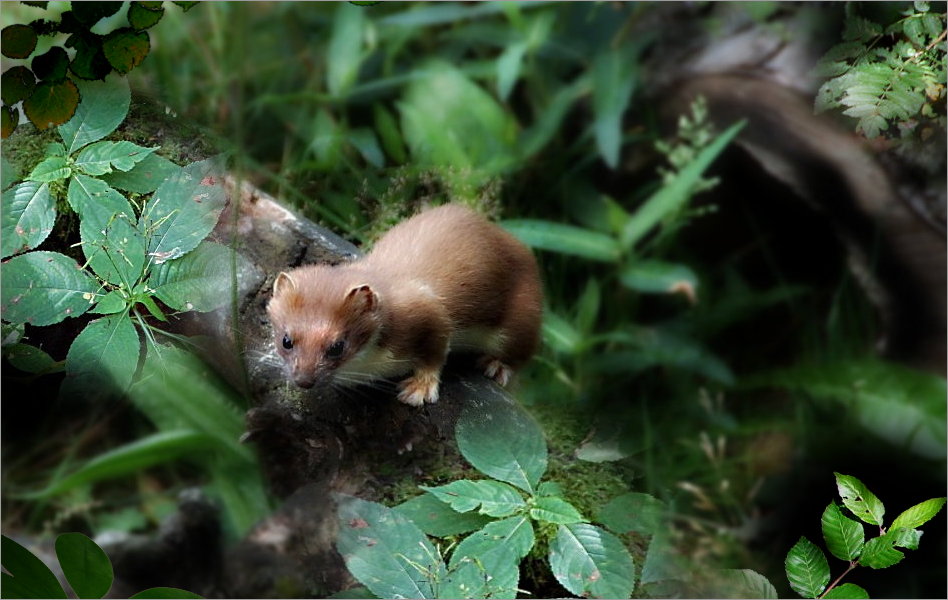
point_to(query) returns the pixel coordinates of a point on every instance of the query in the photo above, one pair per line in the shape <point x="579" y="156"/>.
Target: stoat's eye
<point x="287" y="342"/>
<point x="336" y="349"/>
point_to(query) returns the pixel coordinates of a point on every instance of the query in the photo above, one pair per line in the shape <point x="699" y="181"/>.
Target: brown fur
<point x="445" y="279"/>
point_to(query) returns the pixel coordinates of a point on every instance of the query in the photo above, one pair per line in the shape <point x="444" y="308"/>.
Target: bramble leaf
<point x="492" y="552"/>
<point x="437" y="518"/>
<point x="103" y="108"/>
<point x="28" y="215"/>
<point x="495" y="499"/>
<point x="43" y="288"/>
<point x="555" y="510"/>
<point x="591" y="562"/>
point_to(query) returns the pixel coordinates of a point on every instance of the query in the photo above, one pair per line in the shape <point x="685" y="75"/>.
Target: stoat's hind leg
<point x="496" y="370"/>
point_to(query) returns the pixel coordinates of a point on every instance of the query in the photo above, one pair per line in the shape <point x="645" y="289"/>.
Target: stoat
<point x="442" y="281"/>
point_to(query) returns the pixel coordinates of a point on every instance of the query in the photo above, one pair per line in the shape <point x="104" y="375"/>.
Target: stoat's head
<point x="319" y="322"/>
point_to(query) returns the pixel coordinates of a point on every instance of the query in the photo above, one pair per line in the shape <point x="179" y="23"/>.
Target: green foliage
<point x="56" y="98"/>
<point x="86" y="567"/>
<point x="806" y="566"/>
<point x="887" y="75"/>
<point x="387" y="551"/>
<point x="130" y="259"/>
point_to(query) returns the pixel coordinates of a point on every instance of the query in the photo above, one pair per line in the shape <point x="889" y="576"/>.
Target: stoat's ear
<point x="283" y="283"/>
<point x="362" y="298"/>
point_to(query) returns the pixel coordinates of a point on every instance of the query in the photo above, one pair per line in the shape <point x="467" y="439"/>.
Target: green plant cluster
<point x="85" y="565"/>
<point x="133" y="255"/>
<point x="806" y="565"/>
<point x="507" y="516"/>
<point x="48" y="95"/>
<point x="886" y="76"/>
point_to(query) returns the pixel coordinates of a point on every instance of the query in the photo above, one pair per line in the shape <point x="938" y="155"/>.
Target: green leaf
<point x="449" y="121"/>
<point x="111" y="242"/>
<point x="52" y="168"/>
<point x="152" y="308"/>
<point x="384" y="551"/>
<point x="558" y="334"/>
<point x="52" y="104"/>
<point x="27" y="216"/>
<point x="591" y="562"/>
<point x="846" y="591"/>
<point x="436" y="518"/>
<point x="494" y="498"/>
<point x="508" y="68"/>
<point x="145" y="177"/>
<point x="613" y="80"/>
<point x="906" y="538"/>
<point x="387" y="128"/>
<point x="659" y="277"/>
<point x="744" y="583"/>
<point x="183" y="211"/>
<point x="101" y="157"/>
<point x="141" y="18"/>
<point x="8" y="173"/>
<point x="676" y="193"/>
<point x="555" y="510"/>
<point x="491" y="553"/>
<point x="51" y="65"/>
<point x="29" y="359"/>
<point x="86" y="566"/>
<point x="89" y="61"/>
<point x="164" y="592"/>
<point x="858" y="499"/>
<point x="16" y="83"/>
<point x="844" y="537"/>
<point x="634" y="512"/>
<point x="200" y="280"/>
<point x="26" y="576"/>
<point x="42" y="288"/>
<point x="880" y="552"/>
<point x="126" y="48"/>
<point x="587" y="307"/>
<point x="90" y="13"/>
<point x="549" y="488"/>
<point x="104" y="356"/>
<point x="103" y="108"/>
<point x="344" y="53"/>
<point x="807" y="569"/>
<point x="550" y="117"/>
<point x="919" y="514"/>
<point x="367" y="144"/>
<point x="130" y="459"/>
<point x="17" y="41"/>
<point x="110" y="303"/>
<point x="565" y="239"/>
<point x="502" y="441"/>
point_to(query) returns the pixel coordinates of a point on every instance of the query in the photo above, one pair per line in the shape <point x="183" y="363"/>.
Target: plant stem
<point x="852" y="565"/>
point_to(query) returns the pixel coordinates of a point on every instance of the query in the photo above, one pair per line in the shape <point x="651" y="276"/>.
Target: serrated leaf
<point x="201" y="280"/>
<point x="51" y="65"/>
<point x="28" y="215"/>
<point x="101" y="157"/>
<point x="43" y="288"/>
<point x="52" y="168"/>
<point x="183" y="210"/>
<point x="89" y="61"/>
<point x="676" y="193"/>
<point x="502" y="441"/>
<point x="86" y="566"/>
<point x="555" y="510"/>
<point x="494" y="551"/>
<point x="130" y="459"/>
<point x="17" y="41"/>
<point x="633" y="512"/>
<point x="437" y="518"/>
<point x="126" y="48"/>
<point x="27" y="576"/>
<point x="51" y="104"/>
<point x="807" y="569"/>
<point x="591" y="562"/>
<point x="109" y="304"/>
<point x="844" y="537"/>
<point x="846" y="591"/>
<point x="140" y="17"/>
<point x="919" y="514"/>
<point x="565" y="239"/>
<point x="16" y="83"/>
<point x="494" y="498"/>
<point x="103" y="108"/>
<point x="145" y="177"/>
<point x="8" y="121"/>
<point x="858" y="499"/>
<point x="906" y="538"/>
<point x="344" y="53"/>
<point x="880" y="552"/>
<point x="29" y="359"/>
<point x="386" y="552"/>
<point x="104" y="356"/>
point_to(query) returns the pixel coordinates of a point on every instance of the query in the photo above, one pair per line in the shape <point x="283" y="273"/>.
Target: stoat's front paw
<point x="497" y="371"/>
<point x="420" y="388"/>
